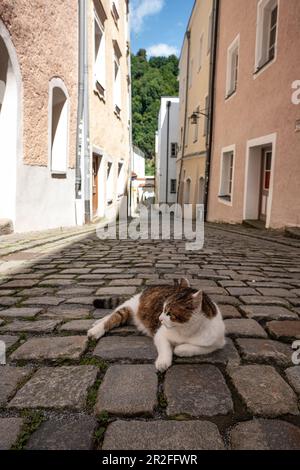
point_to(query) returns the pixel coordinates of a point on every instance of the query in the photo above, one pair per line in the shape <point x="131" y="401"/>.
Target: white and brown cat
<point x="179" y="318"/>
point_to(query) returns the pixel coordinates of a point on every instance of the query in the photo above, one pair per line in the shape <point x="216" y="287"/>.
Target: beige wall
<point x="261" y="106"/>
<point x="110" y="133"/>
<point x="44" y="34"/>
<point x="194" y="151"/>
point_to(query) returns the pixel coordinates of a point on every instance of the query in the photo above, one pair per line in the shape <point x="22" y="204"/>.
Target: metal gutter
<point x="169" y="104"/>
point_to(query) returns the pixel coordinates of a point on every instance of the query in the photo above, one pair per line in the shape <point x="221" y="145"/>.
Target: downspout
<point x="188" y="36"/>
<point x="169" y="104"/>
<point x="87" y="157"/>
<point x="212" y="80"/>
<point x="79" y="135"/>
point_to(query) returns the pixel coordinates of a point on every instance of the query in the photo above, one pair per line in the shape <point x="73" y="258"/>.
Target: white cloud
<point x="158" y="50"/>
<point x="140" y="9"/>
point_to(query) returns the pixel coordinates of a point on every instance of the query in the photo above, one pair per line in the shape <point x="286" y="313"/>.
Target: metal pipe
<point x="79" y="135"/>
<point x="169" y="104"/>
<point x="188" y="35"/>
<point x="212" y="80"/>
<point x="86" y="125"/>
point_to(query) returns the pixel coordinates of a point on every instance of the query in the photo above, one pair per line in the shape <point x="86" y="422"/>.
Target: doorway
<point x="95" y="185"/>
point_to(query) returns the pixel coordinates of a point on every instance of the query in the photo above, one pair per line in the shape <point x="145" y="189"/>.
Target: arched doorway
<point x="10" y="118"/>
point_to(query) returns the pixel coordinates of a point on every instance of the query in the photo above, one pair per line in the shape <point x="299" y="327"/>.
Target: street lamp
<point x="196" y="115"/>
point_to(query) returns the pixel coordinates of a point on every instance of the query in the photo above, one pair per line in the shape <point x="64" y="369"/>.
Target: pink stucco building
<point x="255" y="161"/>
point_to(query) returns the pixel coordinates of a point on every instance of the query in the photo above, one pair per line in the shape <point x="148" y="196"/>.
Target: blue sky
<point x="159" y="25"/>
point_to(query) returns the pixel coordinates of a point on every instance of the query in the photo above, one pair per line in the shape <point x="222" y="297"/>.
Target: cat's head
<point x="184" y="303"/>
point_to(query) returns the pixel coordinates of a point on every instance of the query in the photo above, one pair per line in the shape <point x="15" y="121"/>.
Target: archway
<point x="10" y="118"/>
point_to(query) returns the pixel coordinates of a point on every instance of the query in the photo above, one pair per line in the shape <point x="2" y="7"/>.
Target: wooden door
<point x="265" y="182"/>
<point x="96" y="165"/>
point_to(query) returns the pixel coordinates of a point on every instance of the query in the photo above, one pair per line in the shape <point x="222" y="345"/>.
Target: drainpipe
<point x="188" y="36"/>
<point x="87" y="156"/>
<point x="212" y="80"/>
<point x="79" y="135"/>
<point x="169" y="104"/>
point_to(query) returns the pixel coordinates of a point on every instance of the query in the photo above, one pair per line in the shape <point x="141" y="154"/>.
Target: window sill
<point x="100" y="91"/>
<point x="117" y="112"/>
<point x="59" y="174"/>
<point x="260" y="68"/>
<point x="229" y="95"/>
<point x="225" y="200"/>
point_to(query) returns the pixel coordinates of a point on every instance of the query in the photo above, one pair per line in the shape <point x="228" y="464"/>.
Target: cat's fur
<point x="179" y="318"/>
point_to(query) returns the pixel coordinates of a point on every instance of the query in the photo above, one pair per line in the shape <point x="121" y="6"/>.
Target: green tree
<point x="151" y="79"/>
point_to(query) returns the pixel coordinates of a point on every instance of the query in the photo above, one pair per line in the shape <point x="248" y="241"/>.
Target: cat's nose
<point x="161" y="317"/>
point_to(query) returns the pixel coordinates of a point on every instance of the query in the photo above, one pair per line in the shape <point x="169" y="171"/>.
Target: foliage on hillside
<point x="151" y="79"/>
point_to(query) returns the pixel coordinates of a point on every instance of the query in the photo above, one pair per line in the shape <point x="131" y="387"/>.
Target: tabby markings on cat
<point x="179" y="319"/>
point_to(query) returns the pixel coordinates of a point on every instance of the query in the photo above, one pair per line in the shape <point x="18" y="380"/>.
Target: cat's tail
<point x="119" y="317"/>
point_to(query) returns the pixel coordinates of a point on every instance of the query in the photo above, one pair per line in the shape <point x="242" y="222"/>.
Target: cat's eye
<point x="168" y="314"/>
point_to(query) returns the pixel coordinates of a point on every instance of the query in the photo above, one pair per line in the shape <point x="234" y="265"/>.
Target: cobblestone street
<point x="61" y="391"/>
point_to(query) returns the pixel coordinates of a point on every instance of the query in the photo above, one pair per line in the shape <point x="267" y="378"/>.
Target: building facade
<point x="57" y="126"/>
<point x="194" y="78"/>
<point x="166" y="151"/>
<point x="255" y="166"/>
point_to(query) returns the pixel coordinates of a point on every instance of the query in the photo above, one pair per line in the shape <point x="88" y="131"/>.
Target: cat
<point x="179" y="319"/>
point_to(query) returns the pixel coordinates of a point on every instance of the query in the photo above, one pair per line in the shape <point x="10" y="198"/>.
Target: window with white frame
<point x="227" y="164"/>
<point x="59" y="127"/>
<point x="121" y="179"/>
<point x="173" y="186"/>
<point x="201" y="51"/>
<point x="174" y="149"/>
<point x="266" y="34"/>
<point x="117" y="81"/>
<point x="99" y="55"/>
<point x="232" y="67"/>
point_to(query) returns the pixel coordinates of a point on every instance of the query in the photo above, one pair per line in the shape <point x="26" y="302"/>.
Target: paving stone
<point x="38" y="326"/>
<point x="76" y="271"/>
<point x="1" y="322"/>
<point x="293" y="375"/>
<point x="10" y="378"/>
<point x="102" y="312"/>
<point x="66" y="347"/>
<point x="67" y="312"/>
<point x="9" y="340"/>
<point x="225" y="299"/>
<point x="126" y="348"/>
<point x="265" y="350"/>
<point x="107" y="271"/>
<point x="244" y="328"/>
<point x="78" y="326"/>
<point x="116" y="290"/>
<point x="45" y="300"/>
<point x="36" y="291"/>
<point x="7" y="292"/>
<point x="128" y="390"/>
<point x="263" y="300"/>
<point x="162" y="435"/>
<point x="265" y="434"/>
<point x="80" y="300"/>
<point x="241" y="291"/>
<point x="276" y="292"/>
<point x="10" y="429"/>
<point x="126" y="282"/>
<point x="295" y="302"/>
<point x="56" y="282"/>
<point x="263" y="312"/>
<point x="20" y="283"/>
<point x="66" y="433"/>
<point x="284" y="330"/>
<point x="125" y="331"/>
<point x="20" y="312"/>
<point x="56" y="387"/>
<point x="196" y="390"/>
<point x="229" y="311"/>
<point x="231" y="283"/>
<point x="264" y="391"/>
<point x="226" y="356"/>
<point x="76" y="291"/>
<point x="9" y="301"/>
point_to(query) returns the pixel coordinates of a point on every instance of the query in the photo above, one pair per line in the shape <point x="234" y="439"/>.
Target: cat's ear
<point x="197" y="298"/>
<point x="184" y="283"/>
<point x="209" y="308"/>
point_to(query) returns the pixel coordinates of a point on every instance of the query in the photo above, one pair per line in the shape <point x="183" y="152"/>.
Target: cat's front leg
<point x="164" y="349"/>
<point x="189" y="350"/>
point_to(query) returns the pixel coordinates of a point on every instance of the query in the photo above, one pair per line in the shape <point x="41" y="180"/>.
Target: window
<point x="121" y="179"/>
<point x="117" y="79"/>
<point x="226" y="176"/>
<point x="59" y="124"/>
<point x="115" y="8"/>
<point x="109" y="184"/>
<point x="196" y="127"/>
<point x="267" y="169"/>
<point x="99" y="56"/>
<point x="174" y="149"/>
<point x="209" y="39"/>
<point x="232" y="67"/>
<point x="266" y="34"/>
<point x="201" y="52"/>
<point x="205" y="126"/>
<point x="173" y="187"/>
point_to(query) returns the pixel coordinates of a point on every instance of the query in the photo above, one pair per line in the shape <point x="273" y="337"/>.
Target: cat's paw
<point x="96" y="332"/>
<point x="162" y="364"/>
<point x="182" y="351"/>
